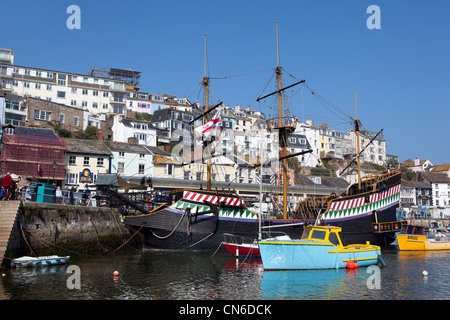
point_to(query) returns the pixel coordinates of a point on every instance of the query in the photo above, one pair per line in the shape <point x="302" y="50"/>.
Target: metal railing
<point x="50" y="195"/>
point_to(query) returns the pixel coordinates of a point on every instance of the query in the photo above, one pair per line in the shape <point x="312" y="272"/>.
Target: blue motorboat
<point x="320" y="247"/>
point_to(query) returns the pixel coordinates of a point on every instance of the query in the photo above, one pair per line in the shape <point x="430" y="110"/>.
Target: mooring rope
<point x="130" y="238"/>
<point x="167" y="236"/>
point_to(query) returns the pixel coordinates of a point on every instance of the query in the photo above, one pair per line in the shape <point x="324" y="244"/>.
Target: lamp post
<point x="54" y="169"/>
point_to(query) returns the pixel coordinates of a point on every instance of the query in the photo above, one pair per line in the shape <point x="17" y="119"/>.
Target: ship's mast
<point x="280" y="125"/>
<point x="358" y="146"/>
<point x="205" y="83"/>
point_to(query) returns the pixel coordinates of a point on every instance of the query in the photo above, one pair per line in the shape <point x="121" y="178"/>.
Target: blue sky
<point x="400" y="72"/>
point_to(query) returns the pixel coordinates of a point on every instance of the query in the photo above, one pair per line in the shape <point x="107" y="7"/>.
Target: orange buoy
<point x="350" y="264"/>
<point x="356" y="265"/>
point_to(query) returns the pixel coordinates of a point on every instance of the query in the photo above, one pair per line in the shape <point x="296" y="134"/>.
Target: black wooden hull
<point x="176" y="228"/>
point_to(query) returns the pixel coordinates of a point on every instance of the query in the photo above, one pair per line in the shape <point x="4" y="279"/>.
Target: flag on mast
<point x="209" y="128"/>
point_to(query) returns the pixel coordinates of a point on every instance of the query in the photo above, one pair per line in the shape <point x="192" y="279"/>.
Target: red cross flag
<point x="209" y="128"/>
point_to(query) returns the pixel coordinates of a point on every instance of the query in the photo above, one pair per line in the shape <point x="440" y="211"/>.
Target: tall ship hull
<point x="199" y="220"/>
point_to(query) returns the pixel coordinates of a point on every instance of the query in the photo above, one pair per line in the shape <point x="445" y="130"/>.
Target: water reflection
<point x="199" y="276"/>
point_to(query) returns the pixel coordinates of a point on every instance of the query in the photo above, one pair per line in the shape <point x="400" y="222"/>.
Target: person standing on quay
<point x="6" y="184"/>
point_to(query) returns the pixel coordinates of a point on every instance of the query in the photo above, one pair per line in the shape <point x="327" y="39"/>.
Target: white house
<point x="143" y="131"/>
<point x="130" y="160"/>
<point x="440" y="191"/>
<point x="313" y="138"/>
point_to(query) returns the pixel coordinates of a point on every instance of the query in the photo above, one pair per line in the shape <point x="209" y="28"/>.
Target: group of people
<point x="67" y="196"/>
<point x="13" y="189"/>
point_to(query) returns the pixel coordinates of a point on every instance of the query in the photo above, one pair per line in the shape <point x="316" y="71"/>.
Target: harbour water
<point x="201" y="276"/>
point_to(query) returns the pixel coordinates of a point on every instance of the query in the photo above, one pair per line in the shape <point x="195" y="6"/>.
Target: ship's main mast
<point x="280" y="125"/>
<point x="205" y="83"/>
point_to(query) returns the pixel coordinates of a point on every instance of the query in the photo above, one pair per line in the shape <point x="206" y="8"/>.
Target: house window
<point x="141" y="168"/>
<point x="121" y="154"/>
<point x="49" y="87"/>
<point x="85" y="91"/>
<point x="186" y="175"/>
<point x="105" y="94"/>
<point x="142" y="156"/>
<point x="61" y="118"/>
<point x="61" y="94"/>
<point x="72" y="160"/>
<point x="76" y="121"/>
<point x="37" y="86"/>
<point x="61" y="79"/>
<point x="100" y="162"/>
<point x="84" y="103"/>
<point x="120" y="167"/>
<point x="105" y="106"/>
<point x="95" y="92"/>
<point x="26" y="84"/>
<point x="95" y="105"/>
<point x="169" y="169"/>
<point x="72" y="178"/>
<point x="227" y="178"/>
<point x="198" y="176"/>
<point x="86" y="161"/>
<point x="41" y="115"/>
<point x="73" y="102"/>
<point x="74" y="90"/>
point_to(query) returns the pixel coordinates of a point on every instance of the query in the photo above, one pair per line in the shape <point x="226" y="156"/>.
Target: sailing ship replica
<point x="199" y="219"/>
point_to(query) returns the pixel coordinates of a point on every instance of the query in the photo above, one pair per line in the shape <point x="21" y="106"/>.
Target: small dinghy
<point x="39" y="261"/>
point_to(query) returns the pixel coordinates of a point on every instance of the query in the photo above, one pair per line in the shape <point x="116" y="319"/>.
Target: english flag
<point x="209" y="128"/>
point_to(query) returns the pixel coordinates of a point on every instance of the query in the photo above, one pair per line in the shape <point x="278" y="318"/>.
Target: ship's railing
<point x="371" y="180"/>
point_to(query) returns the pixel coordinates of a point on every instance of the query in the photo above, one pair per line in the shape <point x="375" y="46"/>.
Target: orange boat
<point x="413" y="238"/>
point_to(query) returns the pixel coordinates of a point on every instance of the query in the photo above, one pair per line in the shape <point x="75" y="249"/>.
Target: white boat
<point x="27" y="261"/>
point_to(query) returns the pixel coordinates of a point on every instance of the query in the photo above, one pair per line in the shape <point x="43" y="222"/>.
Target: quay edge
<point x="66" y="230"/>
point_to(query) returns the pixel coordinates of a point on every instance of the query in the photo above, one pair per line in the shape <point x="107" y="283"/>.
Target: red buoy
<point x="350" y="264"/>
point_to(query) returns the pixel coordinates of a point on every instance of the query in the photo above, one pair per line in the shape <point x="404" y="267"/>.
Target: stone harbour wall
<point x="64" y="229"/>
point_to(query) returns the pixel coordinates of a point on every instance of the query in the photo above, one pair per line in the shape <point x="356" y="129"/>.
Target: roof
<point x="157" y="150"/>
<point x="129" y="123"/>
<point x="13" y="97"/>
<point x="435" y="177"/>
<point x="335" y="182"/>
<point x="87" y="146"/>
<point x="441" y="167"/>
<point x="407" y="184"/>
<point x="43" y="132"/>
<point x="421" y="184"/>
<point x="126" y="147"/>
<point x="107" y="179"/>
<point x="164" y="160"/>
<point x="410" y="163"/>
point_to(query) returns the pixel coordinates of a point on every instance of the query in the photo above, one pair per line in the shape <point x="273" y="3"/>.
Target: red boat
<point x="243" y="250"/>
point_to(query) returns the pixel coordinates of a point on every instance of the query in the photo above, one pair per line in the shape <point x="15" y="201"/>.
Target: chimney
<point x="416" y="162"/>
<point x="100" y="135"/>
<point x="130" y="114"/>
